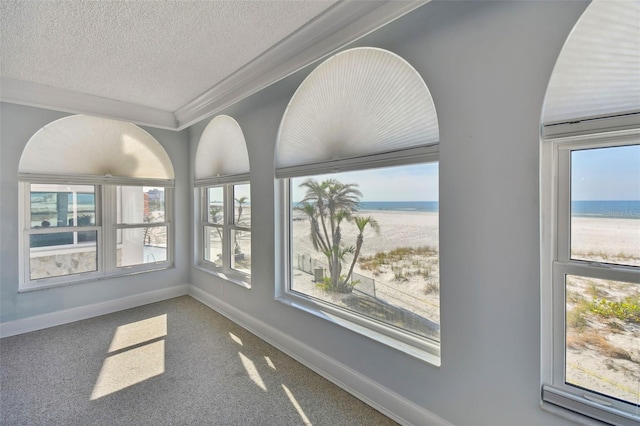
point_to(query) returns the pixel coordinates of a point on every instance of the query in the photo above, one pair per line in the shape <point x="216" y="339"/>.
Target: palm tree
<point x="215" y="213"/>
<point x="361" y="223"/>
<point x="240" y="201"/>
<point x="328" y="204"/>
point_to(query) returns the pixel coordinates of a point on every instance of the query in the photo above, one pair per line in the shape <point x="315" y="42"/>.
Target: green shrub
<point x="627" y="310"/>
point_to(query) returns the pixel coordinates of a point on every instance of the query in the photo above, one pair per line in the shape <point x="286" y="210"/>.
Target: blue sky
<point x="597" y="174"/>
<point x="403" y="183"/>
<point x="606" y="173"/>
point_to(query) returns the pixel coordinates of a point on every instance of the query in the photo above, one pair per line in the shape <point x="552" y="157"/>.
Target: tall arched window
<point x="222" y="179"/>
<point x="590" y="210"/>
<point x="357" y="155"/>
<point x="96" y="200"/>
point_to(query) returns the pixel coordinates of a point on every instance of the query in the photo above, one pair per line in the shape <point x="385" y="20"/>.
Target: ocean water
<point x="610" y="209"/>
<point x="416" y="206"/>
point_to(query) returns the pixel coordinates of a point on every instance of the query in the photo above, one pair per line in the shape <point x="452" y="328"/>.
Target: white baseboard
<point x="39" y="322"/>
<point x="372" y="393"/>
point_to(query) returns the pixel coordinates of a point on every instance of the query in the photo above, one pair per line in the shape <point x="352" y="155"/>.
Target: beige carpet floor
<point x="175" y="362"/>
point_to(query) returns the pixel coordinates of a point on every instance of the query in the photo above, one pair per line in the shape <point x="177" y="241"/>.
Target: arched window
<point x="222" y="177"/>
<point x="357" y="154"/>
<point x="96" y="200"/>
<point x="590" y="205"/>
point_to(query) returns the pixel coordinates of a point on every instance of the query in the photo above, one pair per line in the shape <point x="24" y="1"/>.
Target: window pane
<point x="605" y="205"/>
<point x="213" y="245"/>
<point x="602" y="343"/>
<point x="242" y="205"/>
<point x="215" y="212"/>
<point x="62" y="205"/>
<point x="142" y="245"/>
<point x="140" y="204"/>
<point x="395" y="275"/>
<point x="241" y="258"/>
<point x="55" y="255"/>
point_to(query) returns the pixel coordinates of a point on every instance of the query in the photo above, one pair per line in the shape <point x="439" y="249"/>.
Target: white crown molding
<point x="47" y="97"/>
<point x="338" y="26"/>
<point x="341" y="24"/>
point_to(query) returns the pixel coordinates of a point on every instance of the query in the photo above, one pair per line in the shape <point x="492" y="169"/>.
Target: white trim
<point x="94" y="180"/>
<point x="226" y="271"/>
<point x="106" y="243"/>
<point x="591" y="125"/>
<point x="583" y="405"/>
<point x="569" y="415"/>
<point x="57" y="99"/>
<point x="221" y="180"/>
<point x="340" y="25"/>
<point x="372" y="393"/>
<point x="555" y="212"/>
<point x="415" y="155"/>
<point x="417" y="347"/>
<point x="422" y="348"/>
<point x="39" y="322"/>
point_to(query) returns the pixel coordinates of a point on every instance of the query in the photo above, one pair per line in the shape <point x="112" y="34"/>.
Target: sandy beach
<point x="606" y="239"/>
<point x="591" y="365"/>
<point x="397" y="229"/>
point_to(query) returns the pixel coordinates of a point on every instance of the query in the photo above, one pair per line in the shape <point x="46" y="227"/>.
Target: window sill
<point x="236" y="278"/>
<point x="569" y="415"/>
<point x="422" y="349"/>
<point x="581" y="410"/>
<point x="90" y="278"/>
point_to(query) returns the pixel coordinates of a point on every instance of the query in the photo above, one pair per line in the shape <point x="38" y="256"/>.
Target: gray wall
<point x="19" y="123"/>
<point x="487" y="65"/>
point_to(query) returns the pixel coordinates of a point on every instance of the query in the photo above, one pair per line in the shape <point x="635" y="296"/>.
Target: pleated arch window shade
<point x="361" y="105"/>
<point x="598" y="71"/>
<point x="95" y="149"/>
<point x="222" y="154"/>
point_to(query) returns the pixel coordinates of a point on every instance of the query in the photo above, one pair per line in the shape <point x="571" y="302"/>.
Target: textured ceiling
<point x="150" y="53"/>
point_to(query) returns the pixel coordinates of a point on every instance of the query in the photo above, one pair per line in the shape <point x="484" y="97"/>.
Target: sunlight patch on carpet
<point x="139" y="332"/>
<point x="297" y="406"/>
<point x="236" y="339"/>
<point x="269" y="362"/>
<point x="252" y="371"/>
<point x="138" y="354"/>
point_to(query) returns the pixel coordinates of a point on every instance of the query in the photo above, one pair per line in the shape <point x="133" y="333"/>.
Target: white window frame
<point x="228" y="225"/>
<point x="556" y="263"/>
<point x="410" y="343"/>
<point x="106" y="226"/>
<point x="168" y="205"/>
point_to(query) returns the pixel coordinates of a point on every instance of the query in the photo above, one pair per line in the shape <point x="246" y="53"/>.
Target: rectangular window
<point x="226" y="230"/>
<point x="62" y="205"/>
<point x="142" y="228"/>
<point x="74" y="232"/>
<point x="366" y="243"/>
<point x="604" y="206"/>
<point x="602" y="318"/>
<point x="596" y="280"/>
<point x="240" y="230"/>
<point x="54" y="208"/>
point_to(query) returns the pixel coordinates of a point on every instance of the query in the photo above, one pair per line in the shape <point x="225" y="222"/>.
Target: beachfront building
<point x="433" y="204"/>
